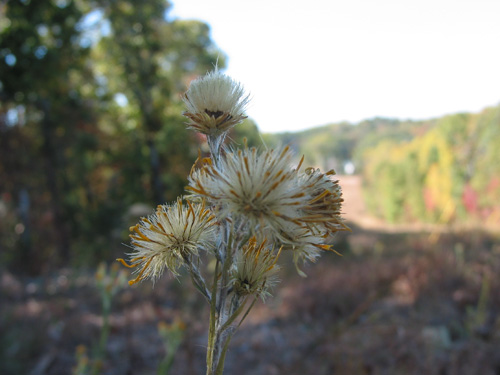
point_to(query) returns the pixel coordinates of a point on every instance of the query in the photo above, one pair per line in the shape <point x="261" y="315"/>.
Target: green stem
<point x="218" y="327"/>
<point x="220" y="365"/>
<point x="198" y="280"/>
<point x="211" y="327"/>
<point x="248" y="310"/>
<point x="232" y="318"/>
<point x="103" y="339"/>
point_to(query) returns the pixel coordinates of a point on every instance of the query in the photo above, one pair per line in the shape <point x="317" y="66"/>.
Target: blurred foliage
<point x="90" y="122"/>
<point x="335" y="145"/>
<point x="246" y="130"/>
<point x="91" y="134"/>
<point x="450" y="173"/>
<point x="109" y="282"/>
<point x="171" y="336"/>
<point x="443" y="170"/>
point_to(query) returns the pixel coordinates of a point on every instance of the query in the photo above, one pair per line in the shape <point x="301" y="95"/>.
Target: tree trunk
<point x="49" y="152"/>
<point x="155" y="178"/>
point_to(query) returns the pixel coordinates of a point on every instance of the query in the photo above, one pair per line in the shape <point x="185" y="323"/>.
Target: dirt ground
<point x="397" y="302"/>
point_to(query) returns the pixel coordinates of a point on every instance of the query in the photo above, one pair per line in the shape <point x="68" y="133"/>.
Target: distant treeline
<point x="449" y="173"/>
<point x="441" y="170"/>
<point x="336" y="145"/>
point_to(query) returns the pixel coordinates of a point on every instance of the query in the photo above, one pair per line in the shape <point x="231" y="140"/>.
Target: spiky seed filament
<point x="169" y="237"/>
<point x="255" y="270"/>
<point x="260" y="187"/>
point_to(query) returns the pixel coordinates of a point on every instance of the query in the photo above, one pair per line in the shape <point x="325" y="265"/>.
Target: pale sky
<point x="312" y="62"/>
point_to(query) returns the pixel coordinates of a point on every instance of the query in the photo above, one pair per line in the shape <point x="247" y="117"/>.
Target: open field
<point x="395" y="303"/>
<point x="402" y="300"/>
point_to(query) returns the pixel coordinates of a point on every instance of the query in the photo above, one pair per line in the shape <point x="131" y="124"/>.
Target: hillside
<point x="438" y="171"/>
<point x="337" y="144"/>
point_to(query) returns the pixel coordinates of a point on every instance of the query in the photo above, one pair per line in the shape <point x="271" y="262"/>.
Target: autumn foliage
<point x="448" y="174"/>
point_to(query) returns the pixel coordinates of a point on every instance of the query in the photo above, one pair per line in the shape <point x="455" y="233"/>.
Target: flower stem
<point x="211" y="327"/>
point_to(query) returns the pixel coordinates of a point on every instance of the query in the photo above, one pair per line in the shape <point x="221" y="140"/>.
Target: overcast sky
<point x="311" y="62"/>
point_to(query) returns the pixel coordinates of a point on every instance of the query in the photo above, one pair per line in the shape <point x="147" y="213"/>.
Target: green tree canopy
<point x="91" y="90"/>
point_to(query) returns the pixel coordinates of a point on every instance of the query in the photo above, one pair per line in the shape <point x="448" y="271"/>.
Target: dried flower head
<point x="305" y="244"/>
<point x="255" y="269"/>
<point x="322" y="213"/>
<point x="215" y="103"/>
<point x="257" y="187"/>
<point x="169" y="237"/>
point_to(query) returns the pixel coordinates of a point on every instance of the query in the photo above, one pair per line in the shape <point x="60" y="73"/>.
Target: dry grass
<point x="395" y="303"/>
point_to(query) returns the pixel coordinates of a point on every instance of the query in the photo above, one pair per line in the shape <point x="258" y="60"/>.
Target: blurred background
<point x="401" y="100"/>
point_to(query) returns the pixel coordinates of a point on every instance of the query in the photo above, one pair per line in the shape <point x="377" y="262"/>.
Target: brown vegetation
<point x="395" y="303"/>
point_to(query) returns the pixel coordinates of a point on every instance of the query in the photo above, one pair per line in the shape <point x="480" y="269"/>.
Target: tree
<point x="147" y="60"/>
<point x="91" y="90"/>
<point x="42" y="66"/>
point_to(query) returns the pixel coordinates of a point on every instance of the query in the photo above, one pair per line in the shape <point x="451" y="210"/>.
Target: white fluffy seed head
<point x="258" y="187"/>
<point x="215" y="103"/>
<point x="322" y="213"/>
<point x="305" y="244"/>
<point x="296" y="210"/>
<point x="255" y="269"/>
<point x="170" y="236"/>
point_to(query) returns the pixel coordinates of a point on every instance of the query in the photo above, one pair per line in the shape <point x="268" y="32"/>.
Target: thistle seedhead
<point x="255" y="269"/>
<point x="255" y="187"/>
<point x="215" y="103"/>
<point x="170" y="237"/>
<point x="257" y="192"/>
<point x="322" y="212"/>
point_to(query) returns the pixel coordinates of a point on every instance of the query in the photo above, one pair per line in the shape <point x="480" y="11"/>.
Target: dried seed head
<point x="258" y="187"/>
<point x="305" y="244"/>
<point x="322" y="212"/>
<point x="169" y="237"/>
<point x="255" y="269"/>
<point x="215" y="103"/>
